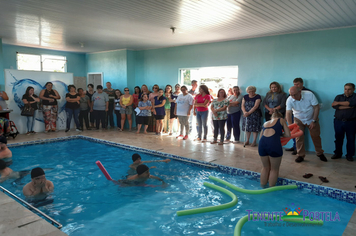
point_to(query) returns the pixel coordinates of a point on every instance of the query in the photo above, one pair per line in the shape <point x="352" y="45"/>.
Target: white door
<point x="95" y="79"/>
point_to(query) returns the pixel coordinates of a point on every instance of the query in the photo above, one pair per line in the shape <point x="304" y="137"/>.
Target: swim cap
<point x="141" y="169"/>
<point x="38" y="171"/>
<point x="2" y="164"/>
<point x="135" y="157"/>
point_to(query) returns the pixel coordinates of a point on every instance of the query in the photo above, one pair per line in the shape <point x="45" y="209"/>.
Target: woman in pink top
<point x="201" y="104"/>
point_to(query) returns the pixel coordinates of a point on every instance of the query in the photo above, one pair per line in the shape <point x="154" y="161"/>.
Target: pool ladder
<point x="54" y="222"/>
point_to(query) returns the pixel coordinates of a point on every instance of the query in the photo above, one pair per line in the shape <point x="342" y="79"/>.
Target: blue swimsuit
<point x="271" y="146"/>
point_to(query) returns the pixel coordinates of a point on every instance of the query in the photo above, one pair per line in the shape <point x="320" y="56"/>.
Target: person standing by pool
<point x="234" y="114"/>
<point x="30" y="99"/>
<point x="192" y="119"/>
<point x="159" y="112"/>
<point x="270" y="148"/>
<point x="184" y="105"/>
<point x="49" y="98"/>
<point x="145" y="107"/>
<point x="218" y="108"/>
<point x="118" y="108"/>
<point x="110" y="113"/>
<point x="275" y="100"/>
<point x="172" y="100"/>
<point x="167" y="108"/>
<point x="126" y="101"/>
<point x="100" y="105"/>
<point x="90" y="93"/>
<point x="72" y="107"/>
<point x="252" y="114"/>
<point x="152" y="120"/>
<point x="84" y="109"/>
<point x="201" y="111"/>
<point x="345" y="122"/>
<point x="39" y="185"/>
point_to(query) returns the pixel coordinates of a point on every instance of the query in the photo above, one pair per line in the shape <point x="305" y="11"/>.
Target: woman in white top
<point x="184" y="105"/>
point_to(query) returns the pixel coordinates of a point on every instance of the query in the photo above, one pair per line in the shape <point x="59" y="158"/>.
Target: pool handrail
<point x="32" y="207"/>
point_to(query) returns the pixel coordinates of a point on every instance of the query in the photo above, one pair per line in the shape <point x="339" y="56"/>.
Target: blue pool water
<point x="87" y="204"/>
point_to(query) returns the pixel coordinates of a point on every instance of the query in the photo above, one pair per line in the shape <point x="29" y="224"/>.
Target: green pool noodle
<point x="289" y="218"/>
<point x="260" y="191"/>
<point x="211" y="208"/>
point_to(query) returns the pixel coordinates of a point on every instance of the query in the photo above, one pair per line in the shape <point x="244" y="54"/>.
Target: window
<point x="214" y="77"/>
<point x="34" y="62"/>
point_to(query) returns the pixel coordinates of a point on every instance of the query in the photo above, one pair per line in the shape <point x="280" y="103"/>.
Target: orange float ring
<point x="294" y="133"/>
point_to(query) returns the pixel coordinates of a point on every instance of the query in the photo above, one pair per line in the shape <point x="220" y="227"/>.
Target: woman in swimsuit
<point x="270" y="148"/>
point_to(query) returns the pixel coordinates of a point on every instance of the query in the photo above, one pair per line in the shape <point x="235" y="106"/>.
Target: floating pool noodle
<point x="294" y="133"/>
<point x="102" y="168"/>
<point x="211" y="208"/>
<point x="289" y="218"/>
<point x="260" y="191"/>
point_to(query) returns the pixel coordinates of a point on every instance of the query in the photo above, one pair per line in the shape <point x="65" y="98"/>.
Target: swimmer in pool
<point x="5" y="154"/>
<point x="39" y="185"/>
<point x="136" y="158"/>
<point x="7" y="173"/>
<point x="143" y="174"/>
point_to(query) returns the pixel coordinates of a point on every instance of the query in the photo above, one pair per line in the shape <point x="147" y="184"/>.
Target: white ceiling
<point x="145" y="24"/>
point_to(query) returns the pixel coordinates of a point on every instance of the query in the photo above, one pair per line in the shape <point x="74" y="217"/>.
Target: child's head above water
<point x="141" y="169"/>
<point x="135" y="157"/>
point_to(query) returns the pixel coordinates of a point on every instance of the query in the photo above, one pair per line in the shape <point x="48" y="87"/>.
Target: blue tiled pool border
<point x="319" y="190"/>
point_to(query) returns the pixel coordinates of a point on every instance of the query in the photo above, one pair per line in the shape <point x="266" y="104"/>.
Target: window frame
<point x="41" y="61"/>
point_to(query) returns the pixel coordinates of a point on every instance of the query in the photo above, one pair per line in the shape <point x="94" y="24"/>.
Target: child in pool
<point x="8" y="173"/>
<point x="39" y="185"/>
<point x="136" y="158"/>
<point x="143" y="174"/>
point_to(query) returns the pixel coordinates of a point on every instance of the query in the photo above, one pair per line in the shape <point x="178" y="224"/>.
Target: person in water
<point x="136" y="158"/>
<point x="5" y="154"/>
<point x="39" y="185"/>
<point x="143" y="174"/>
<point x="270" y="148"/>
<point x="8" y="173"/>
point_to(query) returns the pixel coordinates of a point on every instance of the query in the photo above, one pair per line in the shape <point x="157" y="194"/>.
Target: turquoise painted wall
<point x="113" y="64"/>
<point x="75" y="61"/>
<point x="326" y="60"/>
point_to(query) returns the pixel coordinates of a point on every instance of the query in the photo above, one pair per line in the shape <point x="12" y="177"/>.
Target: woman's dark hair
<point x="224" y="93"/>
<point x="71" y="86"/>
<point x="91" y="85"/>
<point x="161" y="97"/>
<point x="144" y="94"/>
<point x="168" y="85"/>
<point x="99" y="87"/>
<point x="139" y="90"/>
<point x="28" y="91"/>
<point x="205" y="89"/>
<point x="350" y="85"/>
<point x="48" y="83"/>
<point x="183" y="86"/>
<point x="279" y="89"/>
<point x="238" y="90"/>
<point x="116" y="97"/>
<point x="79" y="89"/>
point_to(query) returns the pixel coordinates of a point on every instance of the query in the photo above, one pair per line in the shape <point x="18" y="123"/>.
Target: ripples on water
<point x="87" y="204"/>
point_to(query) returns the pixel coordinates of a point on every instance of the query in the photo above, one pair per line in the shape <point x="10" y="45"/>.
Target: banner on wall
<point x="16" y="83"/>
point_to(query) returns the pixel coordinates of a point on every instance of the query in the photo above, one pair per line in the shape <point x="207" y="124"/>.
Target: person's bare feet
<point x="253" y="144"/>
<point x="145" y="132"/>
<point x="247" y="143"/>
<point x="138" y="132"/>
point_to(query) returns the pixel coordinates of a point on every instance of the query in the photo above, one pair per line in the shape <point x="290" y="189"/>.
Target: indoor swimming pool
<point x="85" y="203"/>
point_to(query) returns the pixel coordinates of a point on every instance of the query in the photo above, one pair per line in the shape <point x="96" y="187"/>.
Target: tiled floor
<point x="341" y="173"/>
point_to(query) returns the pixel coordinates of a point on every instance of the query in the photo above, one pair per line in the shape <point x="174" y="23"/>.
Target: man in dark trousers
<point x="345" y="122"/>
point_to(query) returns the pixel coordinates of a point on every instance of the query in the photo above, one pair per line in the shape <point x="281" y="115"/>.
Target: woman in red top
<point x="201" y="104"/>
<point x="136" y="96"/>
